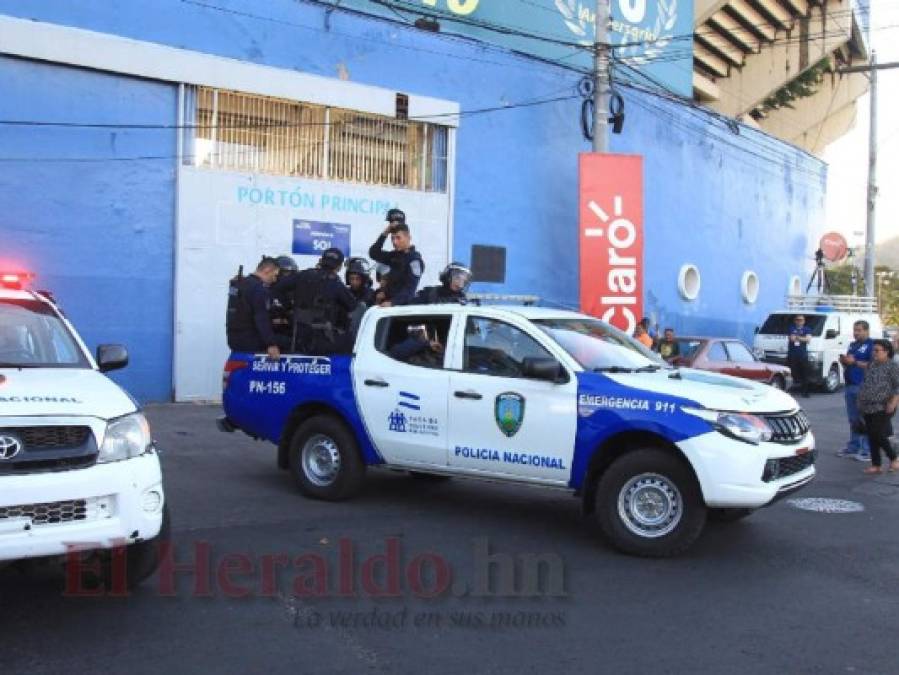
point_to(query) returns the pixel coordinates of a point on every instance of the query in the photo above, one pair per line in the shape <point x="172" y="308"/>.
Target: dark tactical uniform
<point x="247" y="324"/>
<point x="321" y="311"/>
<point x="406" y="268"/>
<point x="439" y="295"/>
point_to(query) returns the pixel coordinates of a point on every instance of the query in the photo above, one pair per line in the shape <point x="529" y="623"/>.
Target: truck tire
<point x="729" y="515"/>
<point x="325" y="459"/>
<point x="649" y="504"/>
<point x="832" y="379"/>
<point x="779" y="382"/>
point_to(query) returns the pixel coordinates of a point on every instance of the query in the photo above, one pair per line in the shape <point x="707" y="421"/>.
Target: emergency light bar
<point x="15" y="280"/>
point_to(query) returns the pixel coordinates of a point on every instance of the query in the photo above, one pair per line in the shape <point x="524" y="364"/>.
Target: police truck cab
<point x="79" y="473"/>
<point x="528" y="395"/>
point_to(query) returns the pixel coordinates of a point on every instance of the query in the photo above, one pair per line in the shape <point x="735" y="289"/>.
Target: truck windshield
<point x="598" y="346"/>
<point x="32" y="336"/>
<point x="779" y="324"/>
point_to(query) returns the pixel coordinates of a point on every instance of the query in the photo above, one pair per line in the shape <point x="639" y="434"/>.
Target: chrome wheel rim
<point x="650" y="505"/>
<point x="833" y="379"/>
<point x="321" y="460"/>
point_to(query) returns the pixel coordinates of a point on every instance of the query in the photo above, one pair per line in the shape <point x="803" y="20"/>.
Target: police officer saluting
<point x="406" y="264"/>
<point x="454" y="281"/>
<point x="248" y="324"/>
<point x="359" y="281"/>
<point x="321" y="306"/>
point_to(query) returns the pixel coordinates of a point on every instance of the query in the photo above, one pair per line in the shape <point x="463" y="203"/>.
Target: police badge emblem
<point x="509" y="412"/>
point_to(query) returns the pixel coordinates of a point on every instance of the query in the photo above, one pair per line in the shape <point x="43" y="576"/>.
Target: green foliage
<point x="802" y="86"/>
<point x="839" y="279"/>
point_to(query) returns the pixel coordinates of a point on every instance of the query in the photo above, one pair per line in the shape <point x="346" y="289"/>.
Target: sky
<point x="846" y="209"/>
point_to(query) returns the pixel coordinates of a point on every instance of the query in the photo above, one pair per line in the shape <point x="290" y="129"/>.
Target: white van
<point x="830" y="318"/>
<point x="78" y="468"/>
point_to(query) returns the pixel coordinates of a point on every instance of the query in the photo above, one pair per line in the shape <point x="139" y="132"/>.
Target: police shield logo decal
<point x="509" y="412"/>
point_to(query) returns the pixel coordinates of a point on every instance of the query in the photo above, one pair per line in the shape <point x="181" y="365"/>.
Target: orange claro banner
<point x="611" y="238"/>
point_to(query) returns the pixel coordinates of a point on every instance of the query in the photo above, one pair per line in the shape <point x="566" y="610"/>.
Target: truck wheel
<point x="648" y="503"/>
<point x="325" y="459"/>
<point x="729" y="515"/>
<point x="832" y="381"/>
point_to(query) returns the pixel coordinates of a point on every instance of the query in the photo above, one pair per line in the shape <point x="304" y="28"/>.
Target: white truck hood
<point x="711" y="390"/>
<point x="61" y="392"/>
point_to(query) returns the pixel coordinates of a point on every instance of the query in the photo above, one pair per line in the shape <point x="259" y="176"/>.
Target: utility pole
<point x="601" y="78"/>
<point x="872" y="181"/>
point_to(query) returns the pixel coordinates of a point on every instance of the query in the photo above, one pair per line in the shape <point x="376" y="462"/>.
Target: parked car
<point x="730" y="357"/>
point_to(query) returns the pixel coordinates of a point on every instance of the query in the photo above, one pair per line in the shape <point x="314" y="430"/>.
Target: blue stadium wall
<point x="100" y="233"/>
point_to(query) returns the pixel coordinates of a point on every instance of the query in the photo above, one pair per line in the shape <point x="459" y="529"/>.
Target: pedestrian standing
<point x="797" y="352"/>
<point x="878" y="399"/>
<point x="855" y="361"/>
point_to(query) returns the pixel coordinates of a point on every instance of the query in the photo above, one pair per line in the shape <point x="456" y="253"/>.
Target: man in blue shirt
<point x="855" y="361"/>
<point x="797" y="352"/>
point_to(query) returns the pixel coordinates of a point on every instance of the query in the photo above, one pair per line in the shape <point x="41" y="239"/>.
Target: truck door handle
<point x="376" y="383"/>
<point x="469" y="394"/>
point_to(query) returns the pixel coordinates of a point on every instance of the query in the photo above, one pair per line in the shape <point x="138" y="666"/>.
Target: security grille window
<point x="231" y="131"/>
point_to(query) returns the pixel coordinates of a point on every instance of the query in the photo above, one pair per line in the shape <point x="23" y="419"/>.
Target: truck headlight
<point x="740" y="426"/>
<point x="126" y="437"/>
<point x="758" y="352"/>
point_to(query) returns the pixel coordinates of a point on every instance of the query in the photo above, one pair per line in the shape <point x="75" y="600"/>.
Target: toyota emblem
<point x="10" y="446"/>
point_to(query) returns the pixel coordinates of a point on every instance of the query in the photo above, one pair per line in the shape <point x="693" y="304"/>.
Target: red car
<point x="730" y="357"/>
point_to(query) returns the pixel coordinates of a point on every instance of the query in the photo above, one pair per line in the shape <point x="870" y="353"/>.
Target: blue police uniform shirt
<point x="798" y="348"/>
<point x="861" y="351"/>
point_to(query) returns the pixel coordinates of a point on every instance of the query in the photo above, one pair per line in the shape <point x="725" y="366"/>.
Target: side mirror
<point x="549" y="370"/>
<point x="111" y="357"/>
<point x="831" y="333"/>
<point x="756" y="331"/>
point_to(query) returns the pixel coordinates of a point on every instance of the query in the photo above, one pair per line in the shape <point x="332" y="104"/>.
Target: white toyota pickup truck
<point x="79" y="473"/>
<point x="528" y="395"/>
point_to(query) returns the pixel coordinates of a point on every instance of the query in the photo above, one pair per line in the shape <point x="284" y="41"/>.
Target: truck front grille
<point x="788" y="428"/>
<point x="55" y="513"/>
<point x="787" y="466"/>
<point x="50" y="438"/>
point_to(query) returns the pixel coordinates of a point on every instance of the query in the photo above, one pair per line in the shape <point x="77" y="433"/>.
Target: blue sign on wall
<point x="652" y="36"/>
<point x="311" y="238"/>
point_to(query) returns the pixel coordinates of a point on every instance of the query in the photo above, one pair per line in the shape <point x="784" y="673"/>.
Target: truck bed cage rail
<point x="832" y="303"/>
<point x="484" y="298"/>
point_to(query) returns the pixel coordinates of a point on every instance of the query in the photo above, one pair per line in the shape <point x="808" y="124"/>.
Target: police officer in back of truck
<point x="322" y="307"/>
<point x="248" y="324"/>
<point x="406" y="264"/>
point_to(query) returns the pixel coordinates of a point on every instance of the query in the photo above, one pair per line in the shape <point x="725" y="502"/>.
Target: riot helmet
<point x="331" y="259"/>
<point x="286" y="264"/>
<point x="456" y="277"/>
<point x="360" y="267"/>
<point x="395" y="216"/>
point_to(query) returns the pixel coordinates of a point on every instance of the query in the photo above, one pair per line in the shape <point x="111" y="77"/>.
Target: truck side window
<point x="415" y="340"/>
<point x="498" y="348"/>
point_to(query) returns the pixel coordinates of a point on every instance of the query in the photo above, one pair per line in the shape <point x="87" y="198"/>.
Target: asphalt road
<point x="783" y="591"/>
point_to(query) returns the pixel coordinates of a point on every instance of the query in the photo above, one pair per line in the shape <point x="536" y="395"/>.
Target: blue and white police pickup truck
<point x="528" y="395"/>
<point x="79" y="473"/>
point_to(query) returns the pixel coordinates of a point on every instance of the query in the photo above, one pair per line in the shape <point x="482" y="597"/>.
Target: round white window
<point x="688" y="282"/>
<point x="749" y="286"/>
